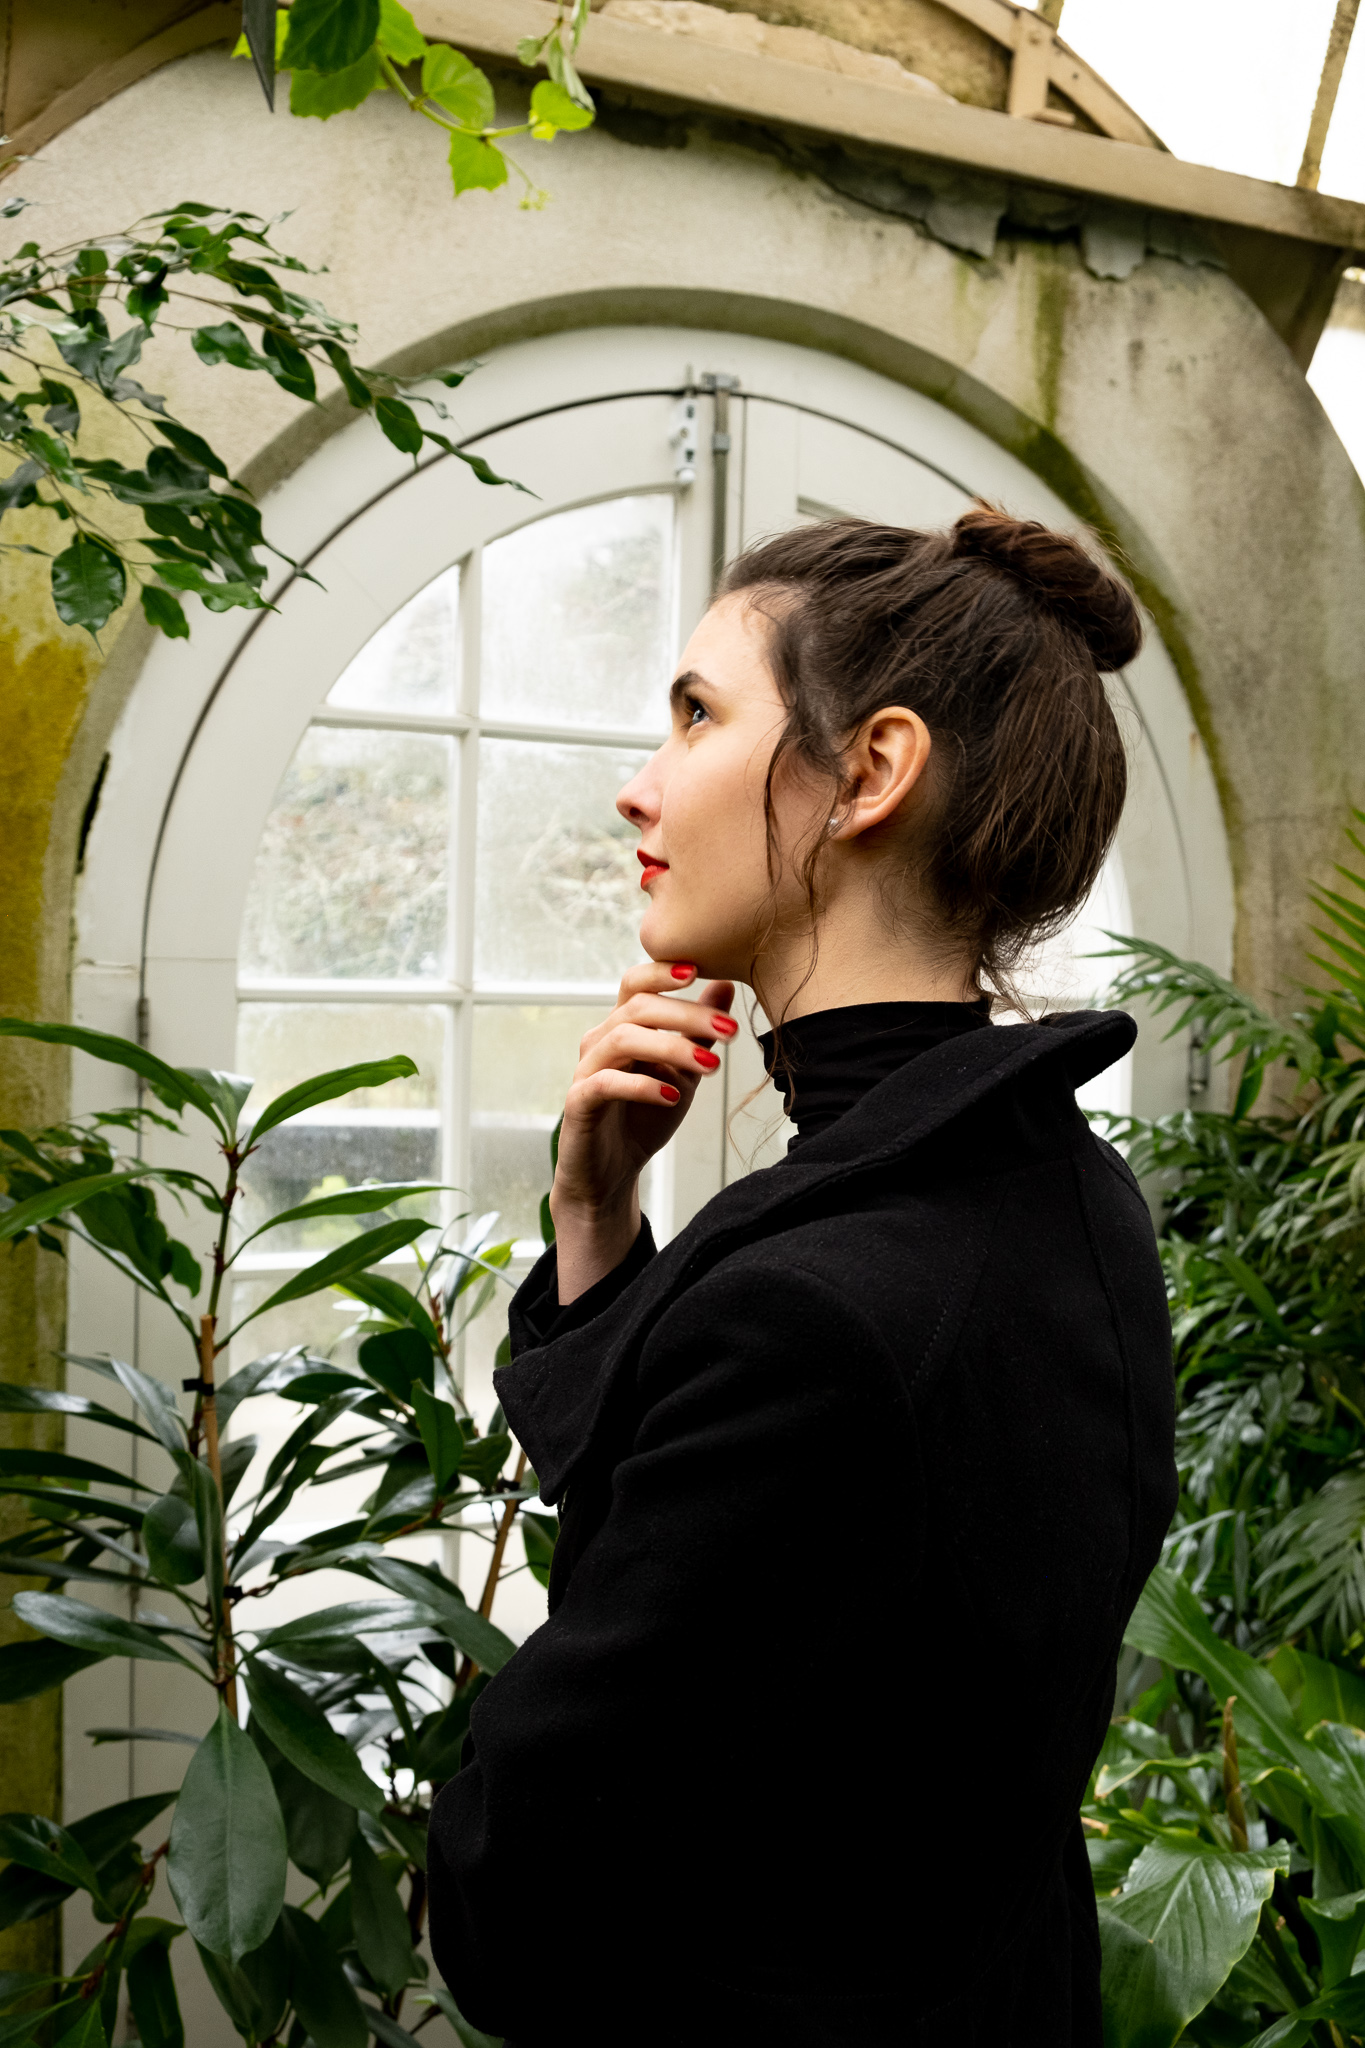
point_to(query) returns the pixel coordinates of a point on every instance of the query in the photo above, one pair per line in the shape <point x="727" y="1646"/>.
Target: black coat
<point x="859" y="1480"/>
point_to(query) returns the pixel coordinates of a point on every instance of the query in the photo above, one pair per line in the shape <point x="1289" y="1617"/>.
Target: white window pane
<point x="350" y="879"/>
<point x="412" y="663"/>
<point x="390" y="1133"/>
<point x="558" y="885"/>
<point x="524" y="1058"/>
<point x="578" y="618"/>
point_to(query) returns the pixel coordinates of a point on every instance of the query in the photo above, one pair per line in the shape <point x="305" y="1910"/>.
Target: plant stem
<point x="490" y="1584"/>
<point x="227" y="1674"/>
<point x="1232" y="1779"/>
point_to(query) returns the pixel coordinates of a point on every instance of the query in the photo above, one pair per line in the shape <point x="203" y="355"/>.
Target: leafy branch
<point x="341" y="51"/>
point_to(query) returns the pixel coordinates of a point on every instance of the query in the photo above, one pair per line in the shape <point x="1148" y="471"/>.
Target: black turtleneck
<point x="829" y="1060"/>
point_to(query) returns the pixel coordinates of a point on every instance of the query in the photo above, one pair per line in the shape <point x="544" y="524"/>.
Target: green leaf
<point x="362" y="1201"/>
<point x="350" y="1618"/>
<point x="57" y="1465"/>
<point x="459" y="86"/>
<point x="303" y="1734"/>
<point x="157" y="1404"/>
<point x="399" y="34"/>
<point x="1185" y="1917"/>
<point x="1318" y="1690"/>
<point x="458" y="1622"/>
<point x="326" y="1087"/>
<point x="164" y="612"/>
<point x="469" y="2036"/>
<point x="1345" y="2005"/>
<point x="377" y="1291"/>
<point x="442" y="1437"/>
<point x="387" y="2030"/>
<point x="1339" y="1925"/>
<point x="91" y="1628"/>
<point x="378" y="1920"/>
<point x="41" y="1845"/>
<point x="27" y="1669"/>
<point x="226" y="343"/>
<point x="475" y="166"/>
<point x="289" y="365"/>
<point x="328" y="36"/>
<point x="317" y="1827"/>
<point x="366" y="1250"/>
<point x="151" y="1993"/>
<point x="539" y="1534"/>
<point x="65" y="1198"/>
<point x="50" y="1401"/>
<point x="227" y="1857"/>
<point x="396" y="1359"/>
<point x="89" y="583"/>
<point x="171" y="1535"/>
<point x="191" y="445"/>
<point x="399" y="424"/>
<point x="168" y="1084"/>
<point x="323" y="1998"/>
<point x="313" y="94"/>
<point x="88" y="2031"/>
<point x="552" y="109"/>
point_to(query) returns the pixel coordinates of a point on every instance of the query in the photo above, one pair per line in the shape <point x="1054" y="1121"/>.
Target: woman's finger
<point x="662" y="1013"/>
<point x="652" y="977"/>
<point x="609" y="1084"/>
<point x="625" y="1045"/>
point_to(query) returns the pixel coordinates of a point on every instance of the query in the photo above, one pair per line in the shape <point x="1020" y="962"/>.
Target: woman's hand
<point x="633" y="1085"/>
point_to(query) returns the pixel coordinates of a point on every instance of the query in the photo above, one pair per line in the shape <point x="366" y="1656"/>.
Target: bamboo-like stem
<point x="227" y="1674"/>
<point x="490" y="1584"/>
<point x="1329" y="84"/>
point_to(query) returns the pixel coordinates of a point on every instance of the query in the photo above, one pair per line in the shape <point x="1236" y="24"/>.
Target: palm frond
<point x="1226" y="1017"/>
<point x="1314" y="1561"/>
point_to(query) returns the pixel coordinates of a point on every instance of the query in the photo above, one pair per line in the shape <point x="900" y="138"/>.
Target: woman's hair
<point x="997" y="634"/>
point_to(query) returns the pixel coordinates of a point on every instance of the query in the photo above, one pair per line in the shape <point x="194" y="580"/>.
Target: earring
<point x="833" y="825"/>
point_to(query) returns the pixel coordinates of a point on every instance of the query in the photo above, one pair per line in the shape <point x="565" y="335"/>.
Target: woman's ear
<point x="884" y="766"/>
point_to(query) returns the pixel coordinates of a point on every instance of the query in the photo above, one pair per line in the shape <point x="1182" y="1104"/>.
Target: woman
<point x="859" y="1478"/>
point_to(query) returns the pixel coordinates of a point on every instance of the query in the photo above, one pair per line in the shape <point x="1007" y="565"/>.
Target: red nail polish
<point x="681" y="972"/>
<point x="706" y="1059"/>
<point x="669" y="1093"/>
<point x="724" y="1027"/>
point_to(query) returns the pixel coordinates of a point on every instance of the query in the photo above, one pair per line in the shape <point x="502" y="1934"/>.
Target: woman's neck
<point x="856" y="966"/>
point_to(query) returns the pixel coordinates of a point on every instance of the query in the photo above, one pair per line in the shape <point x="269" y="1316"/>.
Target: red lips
<point x="651" y="864"/>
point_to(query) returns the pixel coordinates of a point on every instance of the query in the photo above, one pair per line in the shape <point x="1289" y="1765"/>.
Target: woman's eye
<point x="698" y="712"/>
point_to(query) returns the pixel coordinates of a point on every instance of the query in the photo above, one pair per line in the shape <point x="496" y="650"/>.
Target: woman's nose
<point x="639" y="801"/>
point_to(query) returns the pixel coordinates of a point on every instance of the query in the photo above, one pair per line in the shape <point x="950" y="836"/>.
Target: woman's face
<point x="698" y="803"/>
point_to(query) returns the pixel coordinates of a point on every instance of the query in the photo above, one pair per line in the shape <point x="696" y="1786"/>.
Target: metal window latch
<point x="683" y="439"/>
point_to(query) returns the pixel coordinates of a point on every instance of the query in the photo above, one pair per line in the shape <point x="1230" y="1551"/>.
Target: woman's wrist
<point x="592" y="1238"/>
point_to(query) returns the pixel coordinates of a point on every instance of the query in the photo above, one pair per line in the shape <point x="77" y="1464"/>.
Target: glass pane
<point x="558" y="886"/>
<point x="392" y="1133"/>
<point x="524" y="1059"/>
<point x="412" y="663"/>
<point x="578" y="618"/>
<point x="350" y="878"/>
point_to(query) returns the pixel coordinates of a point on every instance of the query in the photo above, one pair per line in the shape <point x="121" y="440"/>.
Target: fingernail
<point x="724" y="1027"/>
<point x="681" y="972"/>
<point x="669" y="1093"/>
<point x="704" y="1058"/>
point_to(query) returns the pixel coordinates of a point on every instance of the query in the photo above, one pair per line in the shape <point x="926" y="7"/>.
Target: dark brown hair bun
<point x="1058" y="570"/>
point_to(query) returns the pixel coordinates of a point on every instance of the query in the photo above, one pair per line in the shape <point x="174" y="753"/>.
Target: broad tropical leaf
<point x="227" y="1857"/>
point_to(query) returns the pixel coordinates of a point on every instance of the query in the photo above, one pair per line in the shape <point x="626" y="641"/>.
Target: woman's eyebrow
<point x="681" y="686"/>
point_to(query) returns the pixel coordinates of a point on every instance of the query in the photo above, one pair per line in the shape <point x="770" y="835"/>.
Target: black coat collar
<point x="556" y="1394"/>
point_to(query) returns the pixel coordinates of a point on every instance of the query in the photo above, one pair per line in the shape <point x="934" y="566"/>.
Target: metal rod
<point x="1333" y="64"/>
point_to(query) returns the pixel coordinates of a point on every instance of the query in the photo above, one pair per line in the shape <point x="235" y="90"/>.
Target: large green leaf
<point x="170" y="1532"/>
<point x="67" y="1197"/>
<point x="322" y="1995"/>
<point x="376" y="1290"/>
<point x="157" y="1403"/>
<point x="169" y="1084"/>
<point x="89" y="583"/>
<point x="552" y="109"/>
<point x="459" y="86"/>
<point x="1187" y="1913"/>
<point x="442" y="1437"/>
<point x="254" y="1992"/>
<point x="457" y="1621"/>
<point x="1339" y="1925"/>
<point x="395" y="1359"/>
<point x="312" y="94"/>
<point x="151" y="1993"/>
<point x="227" y="1857"/>
<point x="475" y="166"/>
<point x="378" y="1920"/>
<point x="48" y="1401"/>
<point x="26" y="1464"/>
<point x="340" y="1080"/>
<point x="1345" y="2005"/>
<point x="362" y="1201"/>
<point x="1319" y="1691"/>
<point x="318" y="1828"/>
<point x="327" y="36"/>
<point x="352" y="1258"/>
<point x="42" y="1845"/>
<point x="302" y="1733"/>
<point x="351" y="1618"/>
<point x="90" y="1628"/>
<point x="87" y="2030"/>
<point x="27" y="1669"/>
